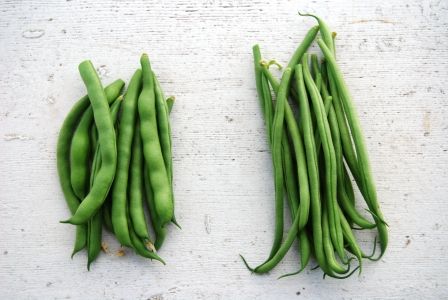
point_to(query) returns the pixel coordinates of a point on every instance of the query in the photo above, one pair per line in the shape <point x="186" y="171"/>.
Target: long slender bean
<point x="330" y="160"/>
<point x="343" y="197"/>
<point x="303" y="209"/>
<point x="313" y="173"/>
<point x="361" y="150"/>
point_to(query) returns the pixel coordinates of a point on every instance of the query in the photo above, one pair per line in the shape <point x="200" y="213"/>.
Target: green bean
<point x="328" y="247"/>
<point x="299" y="152"/>
<point x="327" y="105"/>
<point x="79" y="155"/>
<point x="63" y="156"/>
<point x="305" y="253"/>
<point x="106" y="136"/>
<point x="277" y="134"/>
<point x="94" y="237"/>
<point x="278" y="250"/>
<point x="300" y="214"/>
<point x="347" y="146"/>
<point x="141" y="248"/>
<point x="170" y="102"/>
<point x="136" y="212"/>
<point x="344" y="200"/>
<point x="158" y="176"/>
<point x="124" y="146"/>
<point x="163" y="126"/>
<point x="266" y="106"/>
<point x="330" y="160"/>
<point x="315" y="66"/>
<point x="264" y="94"/>
<point x="351" y="240"/>
<point x="358" y="139"/>
<point x="289" y="165"/>
<point x="303" y="47"/>
<point x="303" y="177"/>
<point x="313" y="173"/>
<point x="295" y="59"/>
<point x="164" y="131"/>
<point x="96" y="163"/>
<point x="159" y="231"/>
<point x="325" y="31"/>
<point x="348" y="186"/>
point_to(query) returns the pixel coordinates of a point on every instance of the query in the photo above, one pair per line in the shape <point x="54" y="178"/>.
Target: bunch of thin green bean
<point x="113" y="155"/>
<point x="316" y="154"/>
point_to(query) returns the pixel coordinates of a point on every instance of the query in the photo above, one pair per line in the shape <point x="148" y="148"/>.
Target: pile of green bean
<point x="113" y="155"/>
<point x="317" y="154"/>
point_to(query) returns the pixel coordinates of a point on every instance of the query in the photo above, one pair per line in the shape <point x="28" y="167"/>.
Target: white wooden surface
<point x="394" y="55"/>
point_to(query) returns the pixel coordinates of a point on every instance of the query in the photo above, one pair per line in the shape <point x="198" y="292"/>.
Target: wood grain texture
<point x="394" y="55"/>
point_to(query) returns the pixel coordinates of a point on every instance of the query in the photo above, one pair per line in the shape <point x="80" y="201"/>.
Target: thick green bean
<point x="79" y="155"/>
<point x="106" y="136"/>
<point x="94" y="237"/>
<point x="96" y="163"/>
<point x="141" y="248"/>
<point x="159" y="230"/>
<point x="170" y="103"/>
<point x="164" y="131"/>
<point x="158" y="176"/>
<point x="63" y="156"/>
<point x="361" y="150"/>
<point x="124" y="146"/>
<point x="136" y="192"/>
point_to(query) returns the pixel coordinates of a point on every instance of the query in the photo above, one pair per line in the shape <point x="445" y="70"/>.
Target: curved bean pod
<point x="96" y="163"/>
<point x="106" y="136"/>
<point x="79" y="155"/>
<point x="63" y="156"/>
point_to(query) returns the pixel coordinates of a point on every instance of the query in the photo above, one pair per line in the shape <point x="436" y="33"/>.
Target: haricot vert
<point x="329" y="153"/>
